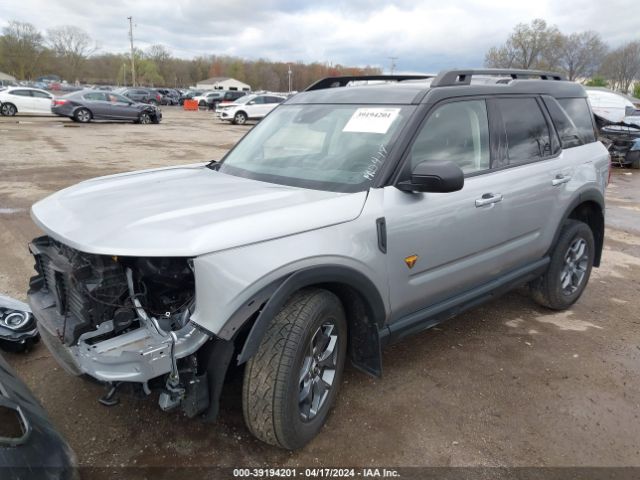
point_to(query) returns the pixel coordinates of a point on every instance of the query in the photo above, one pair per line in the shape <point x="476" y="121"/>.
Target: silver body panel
<point x="245" y="236"/>
<point x="184" y="212"/>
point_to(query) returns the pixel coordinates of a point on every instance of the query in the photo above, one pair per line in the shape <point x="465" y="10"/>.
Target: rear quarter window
<point x="578" y="111"/>
<point x="567" y="130"/>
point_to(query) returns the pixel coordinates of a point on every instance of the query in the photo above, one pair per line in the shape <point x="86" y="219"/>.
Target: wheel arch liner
<point x="363" y="337"/>
<point x="589" y="194"/>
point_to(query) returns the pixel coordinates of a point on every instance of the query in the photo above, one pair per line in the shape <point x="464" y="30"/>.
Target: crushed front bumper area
<point x="136" y="355"/>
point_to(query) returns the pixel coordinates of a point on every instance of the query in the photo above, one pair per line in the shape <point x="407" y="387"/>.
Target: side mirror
<point x="435" y="177"/>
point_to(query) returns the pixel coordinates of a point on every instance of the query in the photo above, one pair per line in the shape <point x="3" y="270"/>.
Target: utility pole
<point x="393" y="64"/>
<point x="133" y="63"/>
<point x="289" y="73"/>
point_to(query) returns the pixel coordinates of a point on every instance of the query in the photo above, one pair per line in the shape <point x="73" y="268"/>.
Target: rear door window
<point x="95" y="96"/>
<point x="578" y="111"/>
<point x="527" y="132"/>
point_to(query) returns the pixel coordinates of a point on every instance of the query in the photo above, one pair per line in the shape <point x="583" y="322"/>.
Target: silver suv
<point x="357" y="212"/>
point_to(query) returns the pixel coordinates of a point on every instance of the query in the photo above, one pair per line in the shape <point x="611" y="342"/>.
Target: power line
<point x="393" y="64"/>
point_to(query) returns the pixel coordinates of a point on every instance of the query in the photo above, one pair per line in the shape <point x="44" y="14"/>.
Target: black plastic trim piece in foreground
<point x="342" y="81"/>
<point x="438" y="313"/>
<point x="449" y="78"/>
<point x="381" y="227"/>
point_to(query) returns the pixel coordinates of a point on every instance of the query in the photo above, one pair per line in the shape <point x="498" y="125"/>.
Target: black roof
<point x="415" y="89"/>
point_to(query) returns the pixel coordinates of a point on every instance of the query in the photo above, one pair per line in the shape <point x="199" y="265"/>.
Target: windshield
<point x="324" y="147"/>
<point x="244" y="99"/>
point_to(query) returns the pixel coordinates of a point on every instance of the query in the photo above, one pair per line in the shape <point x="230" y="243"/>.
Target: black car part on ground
<point x="622" y="140"/>
<point x="18" y="330"/>
<point x="30" y="446"/>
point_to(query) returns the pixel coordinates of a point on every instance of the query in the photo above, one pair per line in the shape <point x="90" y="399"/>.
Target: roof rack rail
<point x="449" y="78"/>
<point x="343" y="81"/>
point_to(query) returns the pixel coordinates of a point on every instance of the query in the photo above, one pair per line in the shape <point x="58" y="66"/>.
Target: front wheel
<point x="144" y="118"/>
<point x="240" y="118"/>
<point x="292" y="381"/>
<point x="569" y="268"/>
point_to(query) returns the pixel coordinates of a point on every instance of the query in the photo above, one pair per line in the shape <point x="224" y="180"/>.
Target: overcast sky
<point x="425" y="35"/>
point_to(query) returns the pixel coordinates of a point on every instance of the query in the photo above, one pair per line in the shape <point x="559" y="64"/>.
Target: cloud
<point x="425" y="35"/>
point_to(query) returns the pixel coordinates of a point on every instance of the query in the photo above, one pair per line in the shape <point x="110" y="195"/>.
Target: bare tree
<point x="580" y="54"/>
<point x="622" y="66"/>
<point x="529" y="46"/>
<point x="22" y="46"/>
<point x="72" y="45"/>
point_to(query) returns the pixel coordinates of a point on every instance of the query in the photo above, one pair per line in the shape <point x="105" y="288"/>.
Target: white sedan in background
<point x="25" y="100"/>
<point x="249" y="107"/>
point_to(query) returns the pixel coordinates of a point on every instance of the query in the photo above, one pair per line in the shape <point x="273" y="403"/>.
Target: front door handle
<point x="488" y="199"/>
<point x="560" y="179"/>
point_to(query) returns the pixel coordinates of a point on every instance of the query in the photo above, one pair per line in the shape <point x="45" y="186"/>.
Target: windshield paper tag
<point x="371" y="120"/>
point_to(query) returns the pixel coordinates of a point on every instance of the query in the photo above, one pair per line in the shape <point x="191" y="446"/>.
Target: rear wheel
<point x="292" y="381"/>
<point x="8" y="109"/>
<point x="240" y="118"/>
<point x="82" y="115"/>
<point x="569" y="268"/>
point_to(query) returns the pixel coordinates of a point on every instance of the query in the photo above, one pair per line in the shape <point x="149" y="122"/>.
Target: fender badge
<point x="411" y="260"/>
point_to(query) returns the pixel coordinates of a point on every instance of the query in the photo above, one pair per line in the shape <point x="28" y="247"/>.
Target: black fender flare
<point x="318" y="275"/>
<point x="588" y="194"/>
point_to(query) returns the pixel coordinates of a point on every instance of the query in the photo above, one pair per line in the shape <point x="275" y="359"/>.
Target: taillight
<point x="158" y="97"/>
<point x="57" y="103"/>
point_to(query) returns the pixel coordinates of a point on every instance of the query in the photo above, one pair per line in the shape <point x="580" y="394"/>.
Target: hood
<point x="185" y="211"/>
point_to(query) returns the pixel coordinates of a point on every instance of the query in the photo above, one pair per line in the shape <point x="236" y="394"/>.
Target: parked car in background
<point x="190" y="95"/>
<point x="88" y="105"/>
<point x="206" y="97"/>
<point x="228" y="97"/>
<point x="250" y="107"/>
<point x="169" y="96"/>
<point x="8" y="83"/>
<point x="25" y="100"/>
<point x="142" y="95"/>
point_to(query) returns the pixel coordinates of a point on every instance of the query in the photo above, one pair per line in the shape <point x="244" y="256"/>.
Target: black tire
<point x="202" y="103"/>
<point x="144" y="118"/>
<point x="239" y="118"/>
<point x="634" y="159"/>
<point x="83" y="115"/>
<point x="549" y="290"/>
<point x="8" y="109"/>
<point x="273" y="378"/>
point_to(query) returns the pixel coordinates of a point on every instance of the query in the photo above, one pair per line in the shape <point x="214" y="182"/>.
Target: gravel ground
<point x="506" y="384"/>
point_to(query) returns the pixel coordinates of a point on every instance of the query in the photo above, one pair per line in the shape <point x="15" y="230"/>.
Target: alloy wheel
<point x="576" y="262"/>
<point x="318" y="371"/>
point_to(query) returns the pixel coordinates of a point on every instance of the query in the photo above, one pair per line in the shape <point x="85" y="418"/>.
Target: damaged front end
<point x="121" y="319"/>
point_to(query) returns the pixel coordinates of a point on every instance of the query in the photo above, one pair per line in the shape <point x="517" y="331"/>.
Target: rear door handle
<point x="560" y="179"/>
<point x="488" y="199"/>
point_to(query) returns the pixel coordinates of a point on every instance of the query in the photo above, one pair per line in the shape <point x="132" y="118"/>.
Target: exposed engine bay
<point x="121" y="319"/>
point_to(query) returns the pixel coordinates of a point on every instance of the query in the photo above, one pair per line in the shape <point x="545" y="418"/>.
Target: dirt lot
<point x="507" y="384"/>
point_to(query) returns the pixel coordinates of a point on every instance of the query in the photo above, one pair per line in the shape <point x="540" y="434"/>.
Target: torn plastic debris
<point x="18" y="330"/>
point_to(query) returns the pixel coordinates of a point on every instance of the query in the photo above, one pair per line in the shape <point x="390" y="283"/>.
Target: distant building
<point x="6" y="78"/>
<point x="222" y="83"/>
